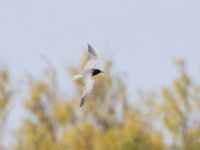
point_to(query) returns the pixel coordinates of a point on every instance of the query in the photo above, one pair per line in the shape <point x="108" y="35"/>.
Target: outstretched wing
<point x="89" y="82"/>
<point x="92" y="59"/>
<point x="92" y="53"/>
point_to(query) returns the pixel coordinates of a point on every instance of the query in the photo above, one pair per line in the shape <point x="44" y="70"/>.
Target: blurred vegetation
<point x="177" y="109"/>
<point x="108" y="120"/>
<point x="5" y="101"/>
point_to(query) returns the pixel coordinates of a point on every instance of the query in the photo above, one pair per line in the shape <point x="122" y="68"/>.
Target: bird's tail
<point x="78" y="76"/>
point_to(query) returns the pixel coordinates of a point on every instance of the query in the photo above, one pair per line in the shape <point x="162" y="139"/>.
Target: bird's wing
<point x="92" y="53"/>
<point x="92" y="59"/>
<point x="88" y="82"/>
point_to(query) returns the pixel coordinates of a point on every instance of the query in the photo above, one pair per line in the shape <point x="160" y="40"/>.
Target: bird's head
<point x="96" y="71"/>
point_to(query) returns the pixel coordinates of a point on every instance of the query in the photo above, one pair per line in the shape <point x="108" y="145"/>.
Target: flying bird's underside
<point x="87" y="74"/>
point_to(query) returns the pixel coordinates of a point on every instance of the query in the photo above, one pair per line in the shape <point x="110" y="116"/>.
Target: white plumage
<point x="87" y="74"/>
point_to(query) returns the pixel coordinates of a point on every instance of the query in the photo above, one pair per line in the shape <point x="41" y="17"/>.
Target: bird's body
<point x="88" y="72"/>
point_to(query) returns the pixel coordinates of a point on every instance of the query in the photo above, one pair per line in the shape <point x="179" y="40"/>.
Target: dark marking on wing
<point x="92" y="51"/>
<point x="83" y="100"/>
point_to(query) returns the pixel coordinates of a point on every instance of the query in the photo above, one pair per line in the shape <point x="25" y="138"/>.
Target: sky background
<point x="142" y="36"/>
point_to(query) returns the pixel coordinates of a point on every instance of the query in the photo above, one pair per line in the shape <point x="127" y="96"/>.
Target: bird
<point x="87" y="74"/>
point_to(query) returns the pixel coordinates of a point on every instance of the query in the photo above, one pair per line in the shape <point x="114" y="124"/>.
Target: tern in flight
<point x="87" y="74"/>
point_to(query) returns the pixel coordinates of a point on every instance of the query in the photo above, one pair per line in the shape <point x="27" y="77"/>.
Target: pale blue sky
<point x="143" y="36"/>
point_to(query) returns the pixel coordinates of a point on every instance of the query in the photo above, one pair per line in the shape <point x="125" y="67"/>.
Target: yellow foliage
<point x="107" y="121"/>
<point x="62" y="112"/>
<point x="81" y="137"/>
<point x="3" y="103"/>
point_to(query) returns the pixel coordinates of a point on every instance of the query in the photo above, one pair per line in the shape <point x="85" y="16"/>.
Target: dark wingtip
<point x="81" y="105"/>
<point x="91" y="50"/>
<point x="82" y="102"/>
<point x="89" y="46"/>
